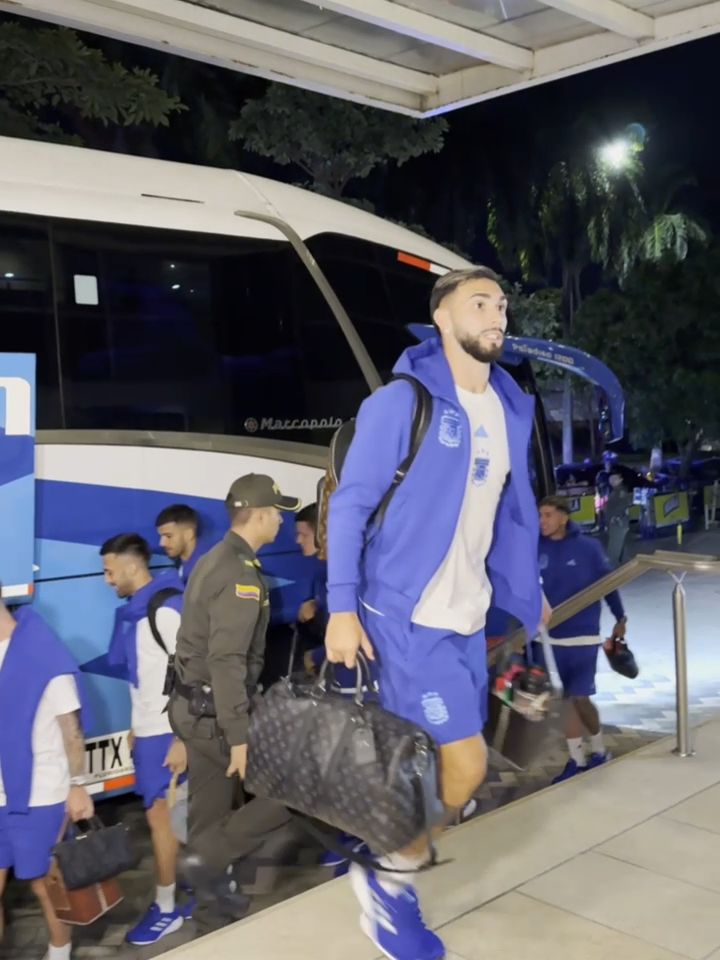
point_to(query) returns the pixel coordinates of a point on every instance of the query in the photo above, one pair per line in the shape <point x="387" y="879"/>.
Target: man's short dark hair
<point x="127" y="545"/>
<point x="559" y="503"/>
<point x="449" y="283"/>
<point x="308" y="515"/>
<point x="178" y="513"/>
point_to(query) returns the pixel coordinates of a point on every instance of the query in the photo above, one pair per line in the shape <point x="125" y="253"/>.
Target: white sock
<point x="165" y="898"/>
<point x="395" y="882"/>
<point x="59" y="953"/>
<point x="577" y="751"/>
<point x="596" y="744"/>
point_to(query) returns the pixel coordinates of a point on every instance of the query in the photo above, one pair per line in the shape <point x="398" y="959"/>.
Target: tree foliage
<point x="661" y="337"/>
<point x="537" y="315"/>
<point x="48" y="72"/>
<point x="332" y="141"/>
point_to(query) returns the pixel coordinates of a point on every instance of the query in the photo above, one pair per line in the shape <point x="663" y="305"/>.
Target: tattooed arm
<point x="74" y="742"/>
<point x="79" y="803"/>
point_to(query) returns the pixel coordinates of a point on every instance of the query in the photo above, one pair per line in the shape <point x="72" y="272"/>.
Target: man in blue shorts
<point x="42" y="757"/>
<point x="569" y="562"/>
<point x="461" y="529"/>
<point x="134" y="647"/>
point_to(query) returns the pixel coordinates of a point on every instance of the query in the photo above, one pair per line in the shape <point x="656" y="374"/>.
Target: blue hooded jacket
<point x="35" y="657"/>
<point x="568" y="566"/>
<point x="185" y="569"/>
<point x="123" y="641"/>
<point x="418" y="527"/>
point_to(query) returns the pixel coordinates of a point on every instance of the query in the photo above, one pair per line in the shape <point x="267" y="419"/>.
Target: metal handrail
<point x="671" y="562"/>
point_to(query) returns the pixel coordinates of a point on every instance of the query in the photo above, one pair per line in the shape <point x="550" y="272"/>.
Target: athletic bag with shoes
<point x="520" y="705"/>
<point x="339" y="446"/>
<point x="345" y="761"/>
<point x="622" y="660"/>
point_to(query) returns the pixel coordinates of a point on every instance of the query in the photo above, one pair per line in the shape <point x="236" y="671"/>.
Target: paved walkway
<point x="621" y="863"/>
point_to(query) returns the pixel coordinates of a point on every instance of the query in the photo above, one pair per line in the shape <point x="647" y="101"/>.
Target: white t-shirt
<point x="148" y="702"/>
<point x="458" y="595"/>
<point x="51" y="774"/>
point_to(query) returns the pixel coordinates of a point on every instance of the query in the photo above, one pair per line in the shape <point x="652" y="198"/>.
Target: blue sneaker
<point x="187" y="908"/>
<point x="330" y="859"/>
<point x="598" y="759"/>
<point x="154" y="926"/>
<point x="342" y="868"/>
<point x="571" y="769"/>
<point x="394" y="922"/>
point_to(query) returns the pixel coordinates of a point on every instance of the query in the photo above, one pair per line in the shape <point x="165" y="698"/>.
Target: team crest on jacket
<point x="450" y="430"/>
<point x="434" y="709"/>
<point x="481" y="467"/>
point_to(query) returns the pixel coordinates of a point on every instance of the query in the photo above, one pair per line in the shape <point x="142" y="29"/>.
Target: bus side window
<point x="380" y="294"/>
<point x="26" y="308"/>
<point x="210" y="334"/>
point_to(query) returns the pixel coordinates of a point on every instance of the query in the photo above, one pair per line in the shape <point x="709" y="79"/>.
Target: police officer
<point x="219" y="657"/>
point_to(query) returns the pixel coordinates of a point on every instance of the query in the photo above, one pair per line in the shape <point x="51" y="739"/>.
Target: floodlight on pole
<point x="616" y="154"/>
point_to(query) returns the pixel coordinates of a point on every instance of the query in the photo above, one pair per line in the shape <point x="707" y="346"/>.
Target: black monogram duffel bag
<point x="345" y="761"/>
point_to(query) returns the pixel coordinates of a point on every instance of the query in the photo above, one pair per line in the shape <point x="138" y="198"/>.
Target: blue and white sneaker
<point x="154" y="926"/>
<point x="598" y="759"/>
<point x="394" y="922"/>
<point x="331" y="859"/>
<point x="571" y="769"/>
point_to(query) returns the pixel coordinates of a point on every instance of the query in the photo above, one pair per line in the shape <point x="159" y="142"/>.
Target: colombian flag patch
<point x="249" y="592"/>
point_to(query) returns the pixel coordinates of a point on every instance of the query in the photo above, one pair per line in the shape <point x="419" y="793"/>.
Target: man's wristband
<point x="79" y="781"/>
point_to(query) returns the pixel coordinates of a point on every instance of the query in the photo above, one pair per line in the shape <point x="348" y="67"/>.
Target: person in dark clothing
<point x="569" y="562"/>
<point x="218" y="662"/>
<point x="617" y="517"/>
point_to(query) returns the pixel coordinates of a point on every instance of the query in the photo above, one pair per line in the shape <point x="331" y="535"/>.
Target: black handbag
<point x="345" y="761"/>
<point x="622" y="660"/>
<point x="92" y="853"/>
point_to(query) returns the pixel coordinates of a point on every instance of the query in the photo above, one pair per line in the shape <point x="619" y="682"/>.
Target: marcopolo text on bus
<point x="268" y="423"/>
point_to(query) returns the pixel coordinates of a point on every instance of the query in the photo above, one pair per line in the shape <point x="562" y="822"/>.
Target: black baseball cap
<point x="257" y="490"/>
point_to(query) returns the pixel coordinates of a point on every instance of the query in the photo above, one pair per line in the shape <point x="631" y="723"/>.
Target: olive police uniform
<point x="218" y="661"/>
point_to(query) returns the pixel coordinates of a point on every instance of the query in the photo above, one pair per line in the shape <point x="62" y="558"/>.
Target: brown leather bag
<point x="86" y="905"/>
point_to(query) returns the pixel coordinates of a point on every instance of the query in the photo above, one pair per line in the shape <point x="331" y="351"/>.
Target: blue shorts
<point x="152" y="779"/>
<point x="434" y="678"/>
<point x="27" y="839"/>
<point x="577" y="667"/>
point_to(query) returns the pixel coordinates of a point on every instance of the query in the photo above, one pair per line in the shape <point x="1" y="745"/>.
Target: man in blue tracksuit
<point x="461" y="529"/>
<point x="177" y="527"/>
<point x="569" y="562"/>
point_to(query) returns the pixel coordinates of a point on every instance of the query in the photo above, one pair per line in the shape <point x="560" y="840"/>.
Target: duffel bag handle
<point x="363" y="677"/>
<point x="81" y="828"/>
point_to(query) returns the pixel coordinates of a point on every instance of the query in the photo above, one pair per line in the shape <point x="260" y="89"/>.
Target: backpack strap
<point x="154" y="604"/>
<point x="422" y="415"/>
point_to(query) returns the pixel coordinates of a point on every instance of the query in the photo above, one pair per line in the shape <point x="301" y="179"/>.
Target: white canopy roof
<point x="419" y="57"/>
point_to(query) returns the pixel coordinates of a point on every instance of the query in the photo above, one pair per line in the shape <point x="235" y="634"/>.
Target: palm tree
<point x="663" y="231"/>
<point x="575" y="215"/>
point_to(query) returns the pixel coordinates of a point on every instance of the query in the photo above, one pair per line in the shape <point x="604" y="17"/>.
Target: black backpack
<point x="339" y="446"/>
<point x="154" y="604"/>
